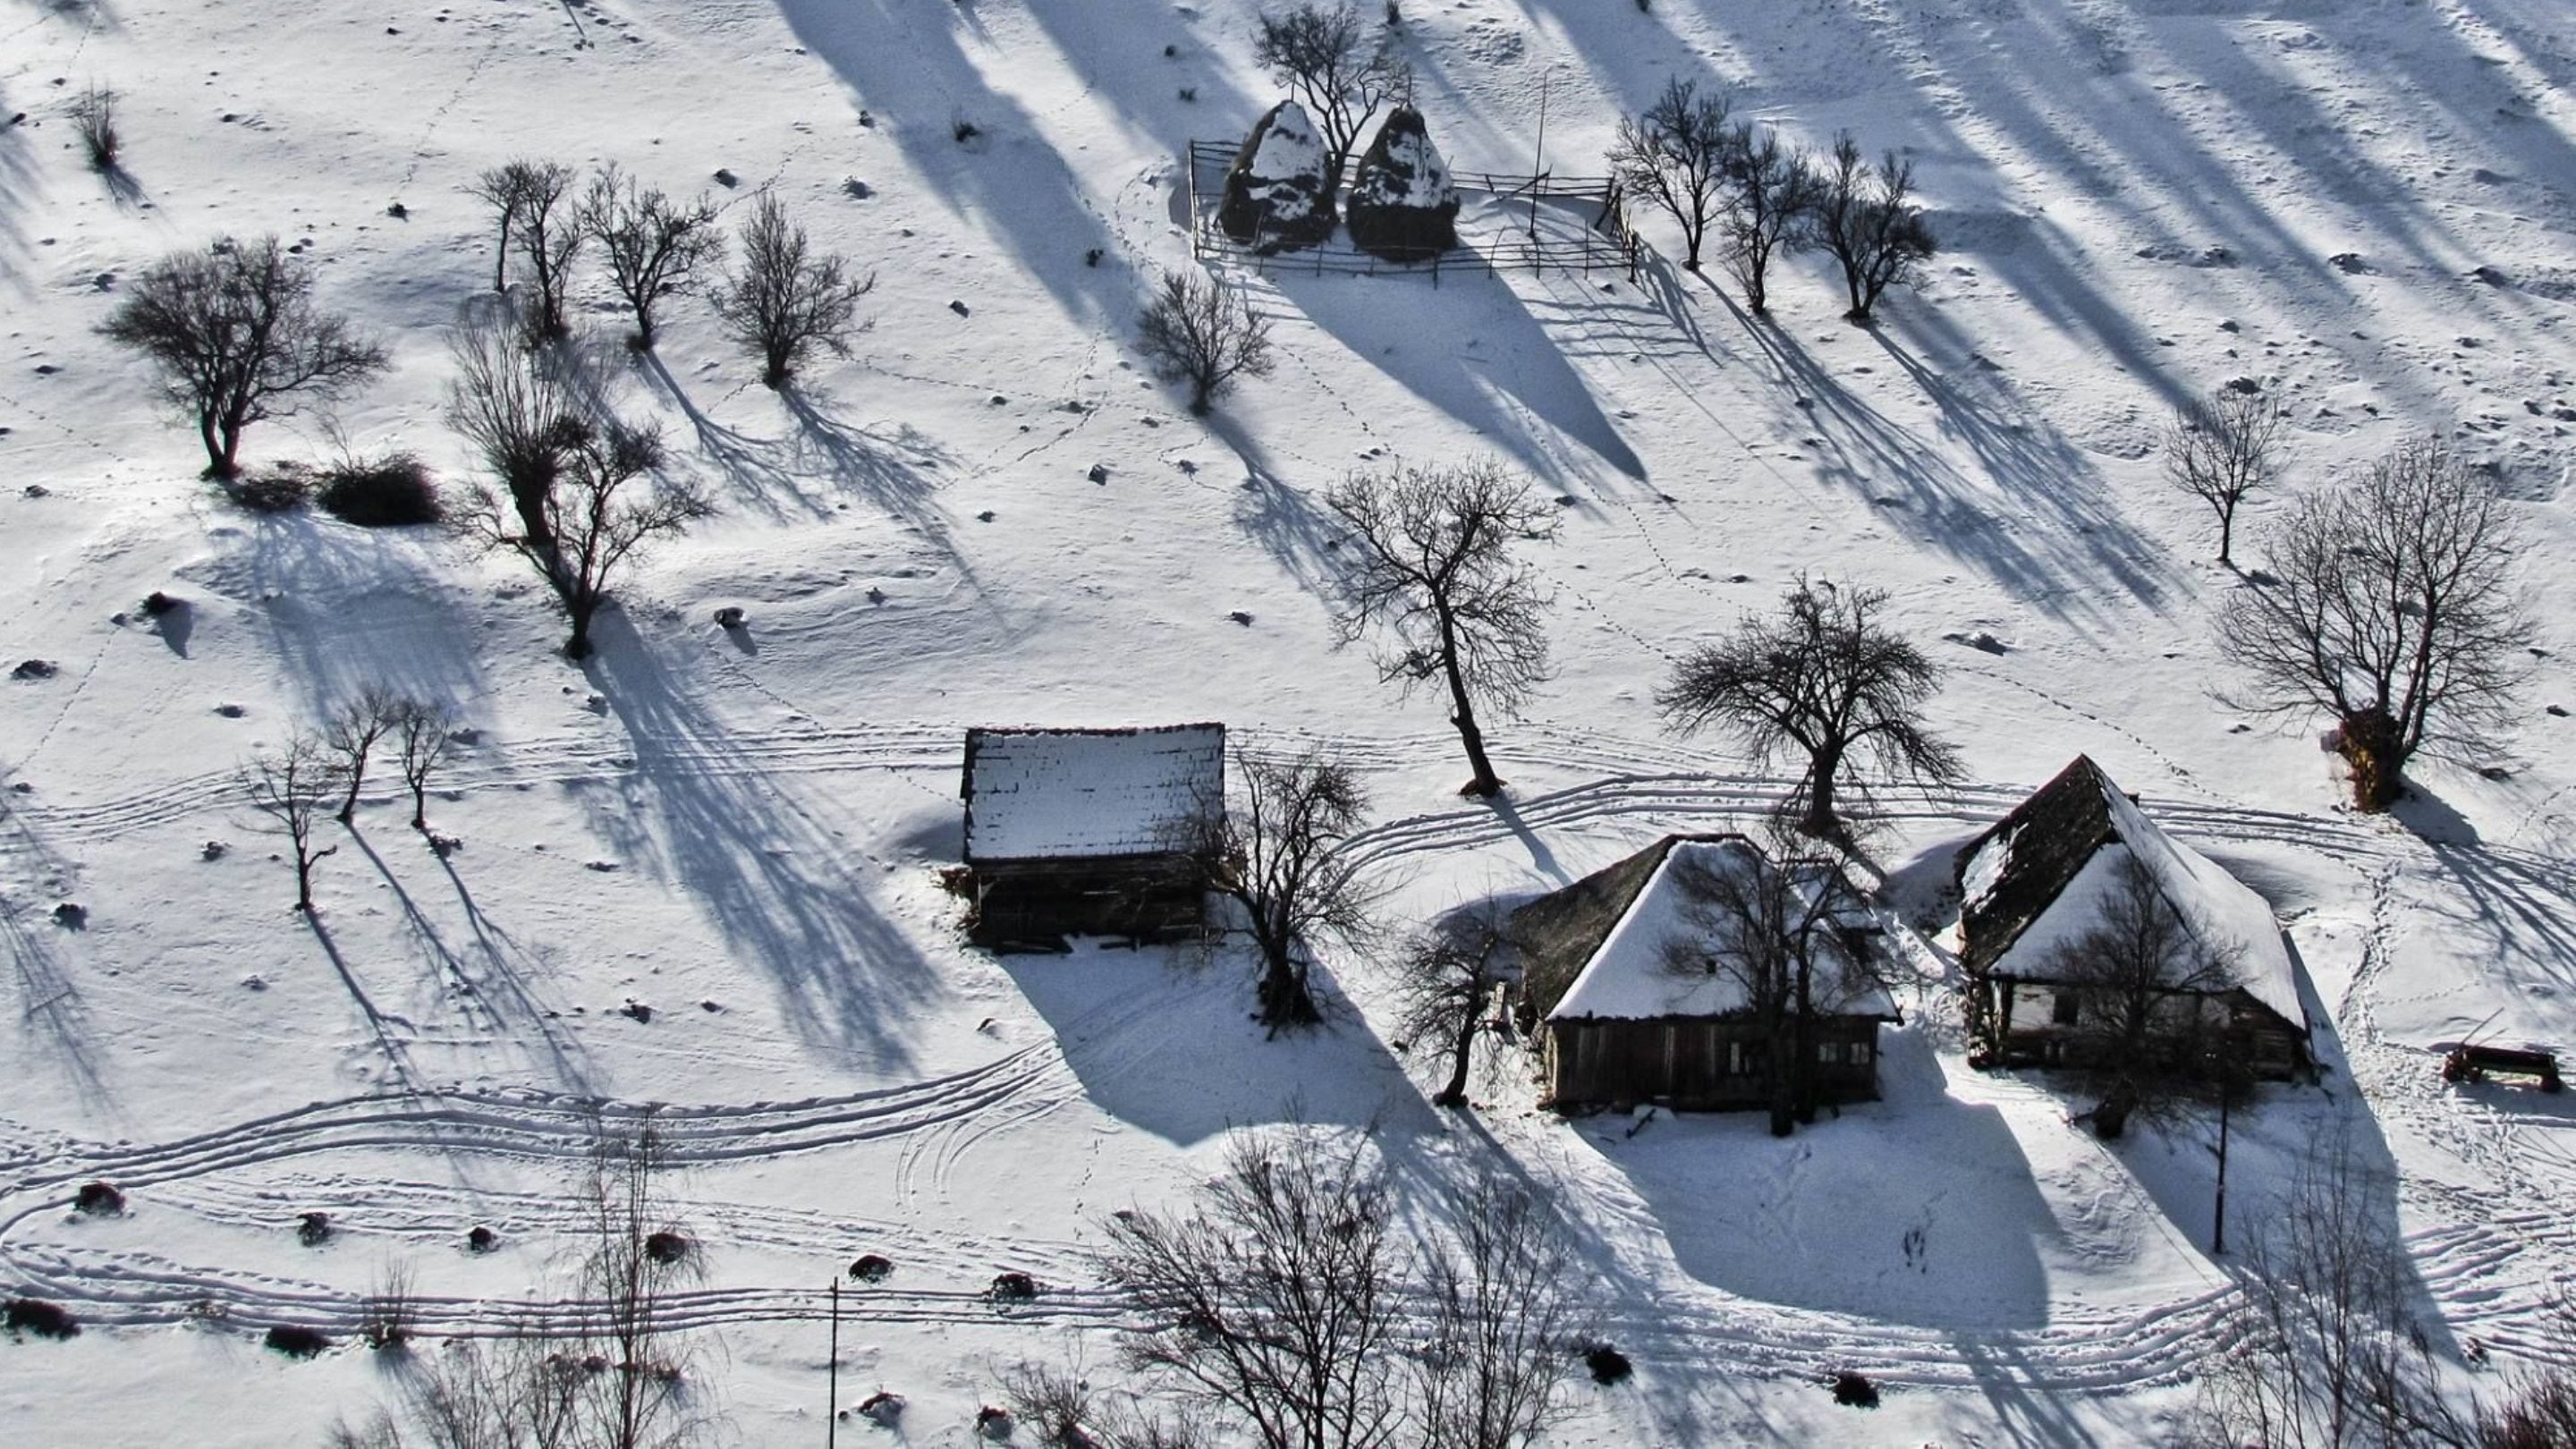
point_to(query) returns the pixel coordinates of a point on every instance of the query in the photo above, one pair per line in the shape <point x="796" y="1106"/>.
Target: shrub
<point x="296" y="1342"/>
<point x="43" y="1319"/>
<point x="872" y="1268"/>
<point x="94" y="121"/>
<point x="1013" y="1287"/>
<point x="282" y="489"/>
<point x="313" y="1229"/>
<point x="481" y="1240"/>
<point x="1608" y="1365"/>
<point x="99" y="1199"/>
<point x="1853" y="1390"/>
<point x="392" y="491"/>
<point x="666" y="1247"/>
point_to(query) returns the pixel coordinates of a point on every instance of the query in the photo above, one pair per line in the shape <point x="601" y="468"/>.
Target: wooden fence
<point x="1571" y="223"/>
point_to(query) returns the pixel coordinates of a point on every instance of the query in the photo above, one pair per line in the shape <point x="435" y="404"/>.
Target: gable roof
<point x="1638" y="967"/>
<point x="1558" y="932"/>
<point x="1069" y="794"/>
<point x="2037" y="881"/>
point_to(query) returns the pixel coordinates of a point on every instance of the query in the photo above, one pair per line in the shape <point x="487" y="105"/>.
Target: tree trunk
<point x="214" y="449"/>
<point x="357" y="778"/>
<point x="1818" y="822"/>
<point x="2372" y="748"/>
<point x="2111" y="1118"/>
<point x="1285" y="1001"/>
<point x="1455" y="1093"/>
<point x="420" y="807"/>
<point x="2226" y="533"/>
<point x="1463" y="715"/>
<point x="578" y="646"/>
<point x="303" y="881"/>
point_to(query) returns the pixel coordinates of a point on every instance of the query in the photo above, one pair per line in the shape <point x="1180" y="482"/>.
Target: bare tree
<point x="1823" y="677"/>
<point x="2390" y="606"/>
<point x="2222" y="449"/>
<point x="789" y="299"/>
<point x="1063" y="1410"/>
<point x="1271" y="853"/>
<point x="1866" y="218"/>
<point x="654" y="246"/>
<point x="2150" y="1029"/>
<point x="1678" y="155"/>
<point x="573" y="489"/>
<point x="424" y="732"/>
<point x="352" y="732"/>
<point x="1275" y="1300"/>
<point x="2326" y="1349"/>
<point x="509" y="1393"/>
<point x="1504" y="1322"/>
<point x="2539" y="1413"/>
<point x="93" y="114"/>
<point x="1770" y="189"/>
<point x="390" y="1313"/>
<point x="1445" y="980"/>
<point x="1434" y="571"/>
<point x="638" y="1258"/>
<point x="236" y="336"/>
<point x="294" y="787"/>
<point x="532" y="203"/>
<point x="1195" y="331"/>
<point x="1776" y="927"/>
<point x="1336" y="64"/>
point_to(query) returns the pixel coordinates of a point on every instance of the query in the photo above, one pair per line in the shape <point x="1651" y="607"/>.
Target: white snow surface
<point x="2225" y="913"/>
<point x="1291" y="147"/>
<point x="2364" y="205"/>
<point x="1035" y="794"/>
<point x="1632" y="975"/>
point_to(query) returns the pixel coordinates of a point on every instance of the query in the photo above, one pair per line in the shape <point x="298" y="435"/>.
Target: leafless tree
<point x="2222" y="449"/>
<point x="654" y="246"/>
<point x="1195" y="331"/>
<point x="1678" y="155"/>
<point x="539" y="223"/>
<point x="236" y="337"/>
<point x="1431" y="567"/>
<point x="2539" y="1412"/>
<point x="573" y="489"/>
<point x="390" y="1313"/>
<point x="1770" y="188"/>
<point x="1866" y="218"/>
<point x="424" y="732"/>
<point x="2326" y="1349"/>
<point x="1445" y="980"/>
<point x="1504" y="1321"/>
<point x="1275" y="1300"/>
<point x="1823" y="677"/>
<point x="295" y="787"/>
<point x="1783" y="930"/>
<point x="1336" y="64"/>
<point x="638" y="1258"/>
<point x="352" y="732"/>
<point x="93" y="114"/>
<point x="1063" y="1410"/>
<point x="510" y="1393"/>
<point x="2391" y="607"/>
<point x="1271" y="852"/>
<point x="2150" y="1028"/>
<point x="788" y="299"/>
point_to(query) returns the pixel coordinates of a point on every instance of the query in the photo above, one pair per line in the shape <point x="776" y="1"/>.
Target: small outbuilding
<point x="1652" y="989"/>
<point x="2038" y="882"/>
<point x="1089" y="831"/>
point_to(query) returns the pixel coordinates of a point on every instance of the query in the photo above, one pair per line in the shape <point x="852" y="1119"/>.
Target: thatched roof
<point x="1071" y="794"/>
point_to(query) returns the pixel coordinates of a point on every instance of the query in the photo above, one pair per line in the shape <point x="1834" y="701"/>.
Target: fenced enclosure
<point x="1506" y="223"/>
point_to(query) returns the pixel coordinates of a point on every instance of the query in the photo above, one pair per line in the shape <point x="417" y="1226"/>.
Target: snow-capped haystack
<point x="1403" y="205"/>
<point x="1275" y="196"/>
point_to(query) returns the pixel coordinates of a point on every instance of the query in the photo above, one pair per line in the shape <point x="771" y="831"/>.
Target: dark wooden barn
<point x="1073" y="832"/>
<point x="1622" y="969"/>
<point x="2039" y="879"/>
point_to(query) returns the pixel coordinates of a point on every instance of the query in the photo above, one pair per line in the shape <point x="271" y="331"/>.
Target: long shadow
<point x="17" y="199"/>
<point x="1288" y="522"/>
<point x="50" y="1009"/>
<point x="905" y="62"/>
<point x="345" y="609"/>
<point x="500" y="989"/>
<point x="1506" y="378"/>
<point x="849" y="981"/>
<point x="379" y="1025"/>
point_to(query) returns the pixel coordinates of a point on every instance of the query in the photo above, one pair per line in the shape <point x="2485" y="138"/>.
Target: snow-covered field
<point x="2369" y="205"/>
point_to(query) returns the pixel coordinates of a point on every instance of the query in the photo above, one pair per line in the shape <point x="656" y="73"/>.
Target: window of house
<point x="1829" y="1052"/>
<point x="2067" y="1004"/>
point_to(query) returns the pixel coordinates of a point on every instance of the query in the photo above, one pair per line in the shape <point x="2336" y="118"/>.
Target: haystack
<point x="1403" y="205"/>
<point x="1275" y="195"/>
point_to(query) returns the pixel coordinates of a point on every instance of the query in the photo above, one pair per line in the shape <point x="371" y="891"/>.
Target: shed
<point x="1648" y="1015"/>
<point x="1089" y="831"/>
<point x="2037" y="880"/>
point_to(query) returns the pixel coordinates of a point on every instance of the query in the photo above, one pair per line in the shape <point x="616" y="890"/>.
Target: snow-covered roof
<point x="1052" y="794"/>
<point x="1648" y="966"/>
<point x="2039" y="880"/>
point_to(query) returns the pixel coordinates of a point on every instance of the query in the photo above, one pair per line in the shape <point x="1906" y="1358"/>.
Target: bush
<point x="43" y="1319"/>
<point x="93" y="114"/>
<point x="872" y="1268"/>
<point x="99" y="1199"/>
<point x="313" y="1229"/>
<point x="1608" y="1365"/>
<point x="294" y="1342"/>
<point x="1853" y="1390"/>
<point x="282" y="489"/>
<point x="1012" y="1288"/>
<point x="666" y="1247"/>
<point x="393" y="491"/>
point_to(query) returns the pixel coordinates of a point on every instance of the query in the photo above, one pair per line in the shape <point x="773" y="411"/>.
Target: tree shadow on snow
<point x="765" y="866"/>
<point x="349" y="608"/>
<point x="50" y="1012"/>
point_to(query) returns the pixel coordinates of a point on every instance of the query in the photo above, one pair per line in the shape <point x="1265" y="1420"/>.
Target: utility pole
<point x="832" y="1410"/>
<point x="1538" y="162"/>
<point x="2226" y="1098"/>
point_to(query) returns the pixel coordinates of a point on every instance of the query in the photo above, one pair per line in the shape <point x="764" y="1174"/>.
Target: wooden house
<point x="2038" y="881"/>
<point x="1629" y="969"/>
<point x="1088" y="831"/>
